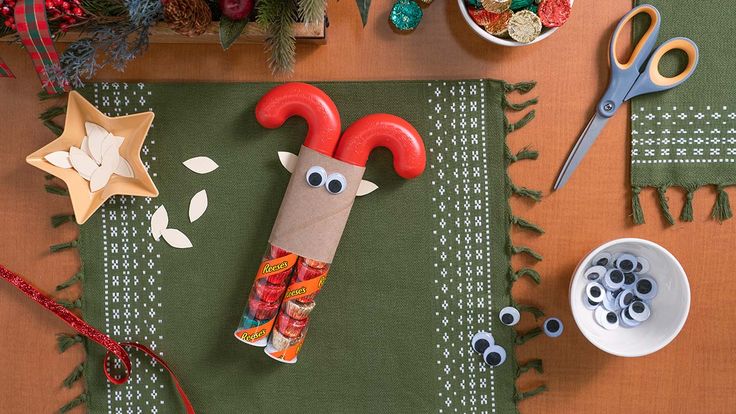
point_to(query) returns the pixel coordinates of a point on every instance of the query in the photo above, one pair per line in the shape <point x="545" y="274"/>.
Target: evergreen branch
<point x="278" y="17"/>
<point x="312" y="11"/>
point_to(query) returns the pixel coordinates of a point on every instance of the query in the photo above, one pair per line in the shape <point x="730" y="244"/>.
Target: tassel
<point x="81" y="399"/>
<point x="52" y="113"/>
<point x="74" y="304"/>
<point x="530" y="252"/>
<point x="722" y="208"/>
<point x="518" y="106"/>
<point x="531" y="273"/>
<point x="56" y="129"/>
<point x="78" y="277"/>
<point x="526" y="154"/>
<point x="523" y="338"/>
<point x="522" y="87"/>
<point x="526" y="224"/>
<point x="520" y="123"/>
<point x="531" y="309"/>
<point x="43" y="95"/>
<point x="664" y="205"/>
<point x="74" y="376"/>
<point x="525" y="192"/>
<point x="524" y="395"/>
<point x="56" y="190"/>
<point x="636" y="212"/>
<point x="63" y="246"/>
<point x="60" y="219"/>
<point x="66" y="341"/>
<point x="687" y="209"/>
<point x="49" y="176"/>
<point x="535" y="364"/>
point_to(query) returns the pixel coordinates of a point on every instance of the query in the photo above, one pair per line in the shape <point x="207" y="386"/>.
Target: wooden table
<point x="690" y="375"/>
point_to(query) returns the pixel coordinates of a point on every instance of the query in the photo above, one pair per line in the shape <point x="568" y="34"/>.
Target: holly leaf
<point x="230" y="30"/>
<point x="363" y="6"/>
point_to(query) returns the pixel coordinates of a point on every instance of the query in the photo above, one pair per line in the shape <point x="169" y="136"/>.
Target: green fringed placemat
<point x="422" y="266"/>
<point x="686" y="137"/>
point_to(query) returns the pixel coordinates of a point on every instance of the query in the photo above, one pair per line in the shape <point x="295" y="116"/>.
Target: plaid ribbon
<point x="33" y="28"/>
<point x="5" y="70"/>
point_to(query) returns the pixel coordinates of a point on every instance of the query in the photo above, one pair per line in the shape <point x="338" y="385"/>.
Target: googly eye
<point x="509" y="316"/>
<point x="553" y="327"/>
<point x="626" y="262"/>
<point x="645" y="288"/>
<point x="607" y="319"/>
<point x="336" y="183"/>
<point x="626" y="320"/>
<point x="642" y="265"/>
<point x="494" y="355"/>
<point x="589" y="304"/>
<point x="595" y="273"/>
<point x="481" y="341"/>
<point x="614" y="279"/>
<point x="638" y="311"/>
<point x="629" y="280"/>
<point x="610" y="302"/>
<point x="625" y="298"/>
<point x="595" y="292"/>
<point x="316" y="176"/>
<point x="601" y="259"/>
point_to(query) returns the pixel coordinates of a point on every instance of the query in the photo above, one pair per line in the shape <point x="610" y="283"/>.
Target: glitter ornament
<point x="524" y="26"/>
<point x="481" y="17"/>
<point x="406" y="15"/>
<point x="499" y="25"/>
<point x="496" y="6"/>
<point x="554" y="13"/>
<point x="520" y="4"/>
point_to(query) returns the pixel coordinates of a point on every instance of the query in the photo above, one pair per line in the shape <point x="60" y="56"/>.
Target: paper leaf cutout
<point x="201" y="165"/>
<point x="124" y="169"/>
<point x="197" y="206"/>
<point x="95" y="137"/>
<point x="59" y="159"/>
<point x="176" y="238"/>
<point x="82" y="162"/>
<point x="111" y="156"/>
<point x="159" y="222"/>
<point x="288" y="160"/>
<point x="230" y="30"/>
<point x="366" y="187"/>
<point x="99" y="178"/>
<point x="112" y="140"/>
<point x="85" y="146"/>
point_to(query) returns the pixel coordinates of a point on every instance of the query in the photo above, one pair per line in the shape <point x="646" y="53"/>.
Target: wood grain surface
<point x="691" y="375"/>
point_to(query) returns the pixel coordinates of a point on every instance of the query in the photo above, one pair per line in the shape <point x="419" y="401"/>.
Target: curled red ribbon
<point x="90" y="332"/>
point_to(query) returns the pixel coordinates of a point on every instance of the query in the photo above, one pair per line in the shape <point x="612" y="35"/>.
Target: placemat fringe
<point x="523" y="338"/>
<point x="637" y="214"/>
<point x="533" y="364"/>
<point x="525" y="154"/>
<point x="538" y="313"/>
<point x="60" y="219"/>
<point x="76" y="278"/>
<point x="511" y="127"/>
<point x="526" y="250"/>
<point x="687" y="208"/>
<point x="65" y="341"/>
<point x="664" y="204"/>
<point x="63" y="246"/>
<point x="526" y="271"/>
<point x="525" y="224"/>
<point x="722" y="207"/>
<point x="79" y="400"/>
<point x="522" y="87"/>
<point x="55" y="189"/>
<point x="525" y="192"/>
<point x="70" y="304"/>
<point x="48" y="116"/>
<point x="74" y="376"/>
<point x="524" y="395"/>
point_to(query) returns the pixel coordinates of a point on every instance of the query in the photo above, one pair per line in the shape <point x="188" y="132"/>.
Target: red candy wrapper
<point x="269" y="292"/>
<point x="554" y="13"/>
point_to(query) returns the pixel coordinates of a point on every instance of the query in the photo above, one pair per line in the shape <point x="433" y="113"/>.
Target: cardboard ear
<point x="366" y="187"/>
<point x="288" y="160"/>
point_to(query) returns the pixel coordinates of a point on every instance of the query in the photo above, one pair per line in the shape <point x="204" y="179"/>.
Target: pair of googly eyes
<point x="484" y="344"/>
<point x="510" y="316"/>
<point x="334" y="183"/>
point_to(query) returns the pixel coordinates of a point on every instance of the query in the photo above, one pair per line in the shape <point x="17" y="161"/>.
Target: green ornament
<point x="520" y="4"/>
<point x="406" y="15"/>
<point x="474" y="3"/>
<point x="533" y="8"/>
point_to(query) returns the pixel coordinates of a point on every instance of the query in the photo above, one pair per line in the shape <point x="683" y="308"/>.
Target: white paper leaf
<point x="100" y="178"/>
<point x="82" y="162"/>
<point x="111" y="156"/>
<point x="288" y="160"/>
<point x="85" y="146"/>
<point x="175" y="238"/>
<point x="197" y="206"/>
<point x="111" y="139"/>
<point x="366" y="187"/>
<point x="59" y="159"/>
<point x="124" y="169"/>
<point x="159" y="222"/>
<point x="201" y="165"/>
<point x="95" y="137"/>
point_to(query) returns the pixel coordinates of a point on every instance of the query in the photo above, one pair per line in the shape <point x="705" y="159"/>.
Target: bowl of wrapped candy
<point x="515" y="22"/>
<point x="630" y="297"/>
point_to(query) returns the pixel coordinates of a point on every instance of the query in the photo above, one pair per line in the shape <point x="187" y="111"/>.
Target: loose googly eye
<point x="316" y="176"/>
<point x="610" y="302"/>
<point x="589" y="304"/>
<point x="336" y="183"/>
<point x="629" y="280"/>
<point x="626" y="262"/>
<point x="509" y="316"/>
<point x="625" y="298"/>
<point x="638" y="311"/>
<point x="595" y="273"/>
<point x="626" y="320"/>
<point x="642" y="265"/>
<point x="595" y="292"/>
<point x="494" y="355"/>
<point x="614" y="279"/>
<point x="481" y="341"/>
<point x="601" y="259"/>
<point x="553" y="327"/>
<point x="606" y="319"/>
<point x="646" y="288"/>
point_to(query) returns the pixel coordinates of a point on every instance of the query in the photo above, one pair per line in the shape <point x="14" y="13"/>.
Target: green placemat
<point x="422" y="266"/>
<point x="686" y="137"/>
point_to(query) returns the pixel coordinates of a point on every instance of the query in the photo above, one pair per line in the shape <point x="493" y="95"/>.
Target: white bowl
<point x="669" y="308"/>
<point x="546" y="32"/>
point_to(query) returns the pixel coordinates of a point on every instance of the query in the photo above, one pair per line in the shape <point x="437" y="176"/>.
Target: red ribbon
<point x="5" y="71"/>
<point x="90" y="332"/>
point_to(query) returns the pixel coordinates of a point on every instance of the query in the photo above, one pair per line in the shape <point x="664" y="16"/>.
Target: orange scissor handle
<point x="645" y="45"/>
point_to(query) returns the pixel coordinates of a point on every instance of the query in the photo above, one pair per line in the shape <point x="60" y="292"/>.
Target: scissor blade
<point x="584" y="143"/>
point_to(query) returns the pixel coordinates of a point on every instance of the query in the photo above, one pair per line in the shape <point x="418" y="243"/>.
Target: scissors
<point x="631" y="79"/>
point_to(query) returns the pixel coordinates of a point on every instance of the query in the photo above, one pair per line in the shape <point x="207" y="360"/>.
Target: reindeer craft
<point x="326" y="178"/>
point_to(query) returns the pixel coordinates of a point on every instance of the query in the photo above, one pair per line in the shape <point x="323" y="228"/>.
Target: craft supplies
<point x="631" y="79"/>
<point x="509" y="316"/>
<point x="405" y="15"/>
<point x="553" y="327"/>
<point x="484" y="344"/>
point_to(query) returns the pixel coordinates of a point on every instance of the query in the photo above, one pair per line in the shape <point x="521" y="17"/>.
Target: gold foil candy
<point x="524" y="26"/>
<point x="496" y="6"/>
<point x="299" y="310"/>
<point x="278" y="341"/>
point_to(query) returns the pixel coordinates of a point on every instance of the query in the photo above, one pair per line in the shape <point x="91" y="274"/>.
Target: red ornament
<point x="554" y="13"/>
<point x="236" y="9"/>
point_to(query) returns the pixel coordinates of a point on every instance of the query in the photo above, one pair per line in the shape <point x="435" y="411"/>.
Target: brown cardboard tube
<point x="310" y="221"/>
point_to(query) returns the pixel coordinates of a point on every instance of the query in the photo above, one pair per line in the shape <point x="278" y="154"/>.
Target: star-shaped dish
<point x="132" y="127"/>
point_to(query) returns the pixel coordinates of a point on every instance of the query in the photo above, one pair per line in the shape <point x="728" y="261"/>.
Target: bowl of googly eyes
<point x="630" y="297"/>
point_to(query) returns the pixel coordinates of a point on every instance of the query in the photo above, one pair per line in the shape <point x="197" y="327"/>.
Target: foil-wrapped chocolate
<point x="298" y="309"/>
<point x="499" y="24"/>
<point x="496" y="6"/>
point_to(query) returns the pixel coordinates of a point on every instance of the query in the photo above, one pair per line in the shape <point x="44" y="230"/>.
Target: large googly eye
<point x="642" y="266"/>
<point x="336" y="183"/>
<point x="629" y="280"/>
<point x="645" y="288"/>
<point x="625" y="298"/>
<point x="606" y="318"/>
<point x="614" y="279"/>
<point x="610" y="301"/>
<point x="316" y="176"/>
<point x="553" y="327"/>
<point x="626" y="320"/>
<point x="638" y="311"/>
<point x="595" y="273"/>
<point x="626" y="262"/>
<point x="509" y="316"/>
<point x="481" y="341"/>
<point x="494" y="355"/>
<point x="589" y="304"/>
<point x="601" y="259"/>
<point x="594" y="292"/>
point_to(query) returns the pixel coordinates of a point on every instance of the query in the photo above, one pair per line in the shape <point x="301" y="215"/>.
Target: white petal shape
<point x="85" y="146"/>
<point x="95" y="137"/>
<point x="59" y="159"/>
<point x="82" y="162"/>
<point x="201" y="165"/>
<point x="124" y="169"/>
<point x="111" y="157"/>
<point x="288" y="160"/>
<point x="366" y="187"/>
<point x="197" y="206"/>
<point x="159" y="222"/>
<point x="99" y="179"/>
<point x="175" y="238"/>
<point x="111" y="139"/>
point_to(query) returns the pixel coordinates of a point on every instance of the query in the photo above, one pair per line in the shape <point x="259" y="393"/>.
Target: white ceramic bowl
<point x="546" y="32"/>
<point x="669" y="308"/>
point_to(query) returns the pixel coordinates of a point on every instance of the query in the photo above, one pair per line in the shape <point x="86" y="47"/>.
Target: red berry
<point x="65" y="6"/>
<point x="64" y="27"/>
<point x="57" y="3"/>
<point x="7" y="23"/>
<point x="77" y="11"/>
<point x="236" y="9"/>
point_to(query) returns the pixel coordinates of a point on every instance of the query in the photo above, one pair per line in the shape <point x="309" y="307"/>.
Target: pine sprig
<point x="278" y="17"/>
<point x="312" y="11"/>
